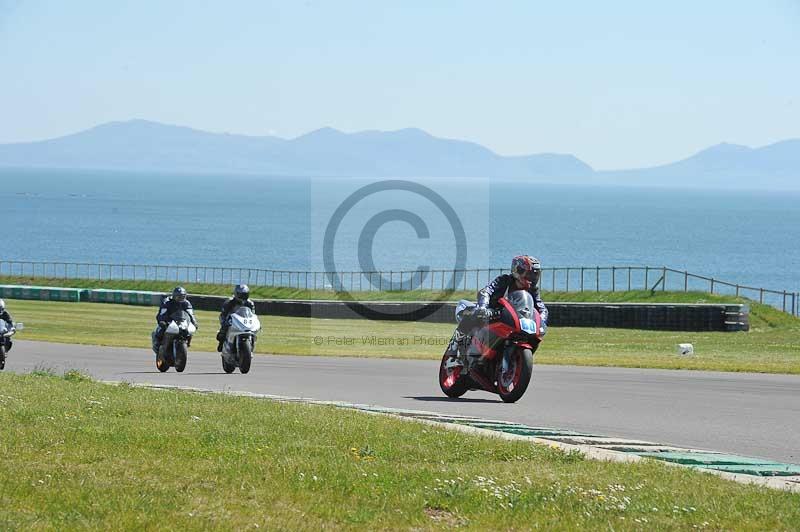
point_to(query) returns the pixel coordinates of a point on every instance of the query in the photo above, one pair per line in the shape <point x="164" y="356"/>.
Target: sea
<point x="747" y="237"/>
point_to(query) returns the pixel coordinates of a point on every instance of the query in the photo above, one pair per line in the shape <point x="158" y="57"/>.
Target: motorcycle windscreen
<point x="183" y="320"/>
<point x="179" y="316"/>
<point x="245" y="320"/>
<point x="522" y="302"/>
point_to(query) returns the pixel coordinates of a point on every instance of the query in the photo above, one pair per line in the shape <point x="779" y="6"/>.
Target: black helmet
<point x="2" y="305"/>
<point x="241" y="292"/>
<point x="179" y="294"/>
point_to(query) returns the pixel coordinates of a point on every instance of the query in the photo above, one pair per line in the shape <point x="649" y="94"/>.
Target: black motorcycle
<point x="173" y="349"/>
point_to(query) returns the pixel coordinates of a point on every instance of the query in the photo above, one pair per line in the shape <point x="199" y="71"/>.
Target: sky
<point x="618" y="84"/>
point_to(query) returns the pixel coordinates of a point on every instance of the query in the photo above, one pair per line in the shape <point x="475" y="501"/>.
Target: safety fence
<point x="556" y="279"/>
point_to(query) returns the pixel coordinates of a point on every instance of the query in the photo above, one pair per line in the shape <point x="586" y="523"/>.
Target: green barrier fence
<point x="125" y="297"/>
<point x="43" y="293"/>
<point x="75" y="295"/>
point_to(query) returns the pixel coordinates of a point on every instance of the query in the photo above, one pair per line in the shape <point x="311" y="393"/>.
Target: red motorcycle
<point x="499" y="358"/>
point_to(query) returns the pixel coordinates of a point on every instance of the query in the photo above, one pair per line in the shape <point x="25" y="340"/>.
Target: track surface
<point x="750" y="414"/>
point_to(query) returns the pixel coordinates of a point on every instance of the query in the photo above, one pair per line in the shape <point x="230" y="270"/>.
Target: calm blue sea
<point x="749" y="237"/>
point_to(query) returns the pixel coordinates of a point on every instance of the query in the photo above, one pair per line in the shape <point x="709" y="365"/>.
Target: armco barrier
<point x="125" y="297"/>
<point x="653" y="316"/>
<point x="43" y="293"/>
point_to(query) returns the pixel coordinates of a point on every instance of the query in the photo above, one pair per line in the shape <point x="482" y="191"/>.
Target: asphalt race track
<point x="749" y="414"/>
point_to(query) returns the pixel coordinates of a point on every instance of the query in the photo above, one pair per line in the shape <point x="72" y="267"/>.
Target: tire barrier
<point x="652" y="316"/>
<point x="648" y="316"/>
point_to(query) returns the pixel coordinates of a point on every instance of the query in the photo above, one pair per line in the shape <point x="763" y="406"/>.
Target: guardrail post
<point x="784" y="301"/>
<point x="646" y="275"/>
<point x="664" y="276"/>
<point x="686" y="281"/>
<point x="567" y="285"/>
<point x="582" y="278"/>
<point x="613" y="278"/>
<point x="597" y="279"/>
<point x="712" y="285"/>
<point x="761" y="295"/>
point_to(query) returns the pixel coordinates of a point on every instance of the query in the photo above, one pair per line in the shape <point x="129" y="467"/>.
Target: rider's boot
<point x="455" y="347"/>
<point x="220" y="340"/>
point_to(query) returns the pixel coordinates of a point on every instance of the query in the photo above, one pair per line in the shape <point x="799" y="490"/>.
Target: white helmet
<point x="2" y="305"/>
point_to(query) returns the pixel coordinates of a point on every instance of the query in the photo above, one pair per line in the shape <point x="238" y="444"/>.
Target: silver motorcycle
<point x="240" y="340"/>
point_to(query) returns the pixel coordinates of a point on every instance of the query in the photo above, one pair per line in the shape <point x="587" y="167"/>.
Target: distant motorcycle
<point x="499" y="358"/>
<point x="174" y="346"/>
<point x="6" y="333"/>
<point x="240" y="340"/>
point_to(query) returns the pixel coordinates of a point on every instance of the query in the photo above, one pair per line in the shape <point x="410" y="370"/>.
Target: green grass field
<point x="773" y="344"/>
<point x="83" y="455"/>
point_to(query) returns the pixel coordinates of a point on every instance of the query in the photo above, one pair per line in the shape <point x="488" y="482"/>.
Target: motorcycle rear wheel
<point x="245" y="354"/>
<point x="512" y="383"/>
<point x="451" y="380"/>
<point x="180" y="356"/>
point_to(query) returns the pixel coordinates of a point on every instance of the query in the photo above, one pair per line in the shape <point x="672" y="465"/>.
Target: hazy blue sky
<point x="619" y="84"/>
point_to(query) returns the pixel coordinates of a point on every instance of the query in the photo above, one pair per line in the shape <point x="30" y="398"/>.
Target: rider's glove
<point x="483" y="313"/>
<point x="162" y="324"/>
<point x="543" y="329"/>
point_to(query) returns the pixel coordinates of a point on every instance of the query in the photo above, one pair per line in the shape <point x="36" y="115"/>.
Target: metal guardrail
<point x="556" y="279"/>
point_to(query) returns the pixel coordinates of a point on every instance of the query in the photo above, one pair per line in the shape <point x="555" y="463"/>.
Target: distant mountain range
<point x="140" y="145"/>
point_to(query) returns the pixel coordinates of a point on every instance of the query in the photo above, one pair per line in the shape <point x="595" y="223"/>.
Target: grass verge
<point x="772" y="346"/>
<point x="79" y="454"/>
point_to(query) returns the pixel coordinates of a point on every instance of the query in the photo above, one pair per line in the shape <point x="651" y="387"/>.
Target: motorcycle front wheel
<point x="513" y="380"/>
<point x="451" y="381"/>
<point x="161" y="363"/>
<point x="2" y="356"/>
<point x="245" y="354"/>
<point x="180" y="356"/>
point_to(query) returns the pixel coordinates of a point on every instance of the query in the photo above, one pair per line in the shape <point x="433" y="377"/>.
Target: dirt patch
<point x="445" y="517"/>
